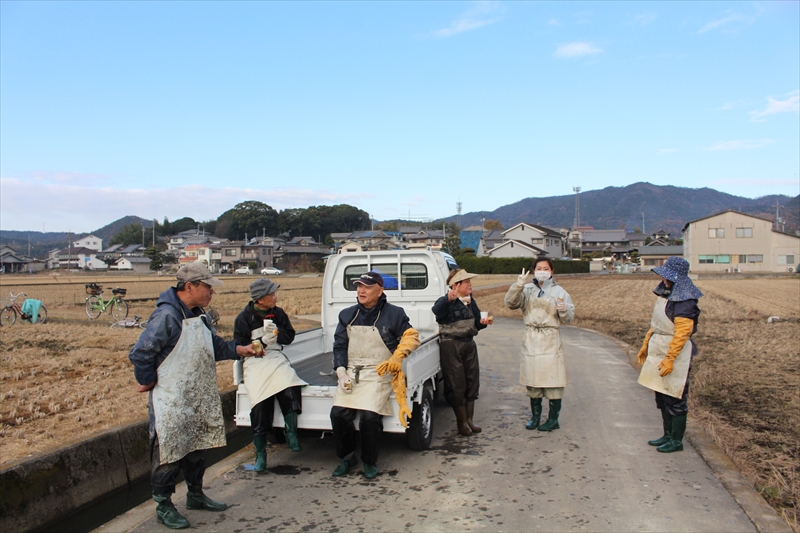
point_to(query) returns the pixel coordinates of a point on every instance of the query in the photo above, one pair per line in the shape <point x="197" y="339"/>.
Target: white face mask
<point x="542" y="275"/>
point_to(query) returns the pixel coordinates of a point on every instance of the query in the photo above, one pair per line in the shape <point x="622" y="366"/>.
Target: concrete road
<point x="596" y="473"/>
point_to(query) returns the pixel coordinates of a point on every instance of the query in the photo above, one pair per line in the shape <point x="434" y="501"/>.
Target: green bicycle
<point x="95" y="305"/>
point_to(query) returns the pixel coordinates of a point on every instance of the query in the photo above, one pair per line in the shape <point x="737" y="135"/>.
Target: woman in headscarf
<point x="269" y="375"/>
<point x="459" y="321"/>
<point x="545" y="306"/>
<point x="667" y="352"/>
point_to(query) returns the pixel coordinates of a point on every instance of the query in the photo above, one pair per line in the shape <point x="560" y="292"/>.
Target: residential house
<point x="489" y="240"/>
<point x="82" y="258"/>
<point x="737" y="242"/>
<point x="515" y="248"/>
<point x="654" y="255"/>
<point x="470" y="237"/>
<point x="12" y="261"/>
<point x="90" y="241"/>
<point x="432" y="238"/>
<point x="299" y="253"/>
<point x="544" y="239"/>
<point x="136" y="263"/>
<point x="192" y="236"/>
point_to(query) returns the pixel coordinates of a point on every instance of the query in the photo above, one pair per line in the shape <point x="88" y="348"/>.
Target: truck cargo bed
<point x="311" y="370"/>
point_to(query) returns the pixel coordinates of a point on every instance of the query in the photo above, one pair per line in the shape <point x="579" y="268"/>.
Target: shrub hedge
<point x="514" y="265"/>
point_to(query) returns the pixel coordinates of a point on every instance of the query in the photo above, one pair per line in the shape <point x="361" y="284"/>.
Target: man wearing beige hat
<point x="459" y="320"/>
<point x="174" y="360"/>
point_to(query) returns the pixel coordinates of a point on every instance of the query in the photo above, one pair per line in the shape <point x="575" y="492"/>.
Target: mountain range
<point x="664" y="208"/>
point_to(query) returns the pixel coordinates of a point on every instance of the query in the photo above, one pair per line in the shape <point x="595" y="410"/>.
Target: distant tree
<point x="387" y="226"/>
<point x="156" y="258"/>
<point x="130" y="234"/>
<point x="183" y="224"/>
<point x="469" y="252"/>
<point x="492" y="225"/>
<point x="648" y="240"/>
<point x="637" y="230"/>
<point x="166" y="228"/>
<point x="248" y="218"/>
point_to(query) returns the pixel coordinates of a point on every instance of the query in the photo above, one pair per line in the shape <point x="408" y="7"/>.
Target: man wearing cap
<point x="459" y="320"/>
<point x="174" y="360"/>
<point x="667" y="352"/>
<point x="371" y="341"/>
<point x="269" y="374"/>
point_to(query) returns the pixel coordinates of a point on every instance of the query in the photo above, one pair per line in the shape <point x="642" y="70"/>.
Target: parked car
<point x="271" y="271"/>
<point x="243" y="270"/>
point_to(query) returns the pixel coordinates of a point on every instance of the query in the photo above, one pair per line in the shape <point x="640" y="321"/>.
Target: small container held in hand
<point x="484" y="315"/>
<point x="348" y="384"/>
<point x="258" y="348"/>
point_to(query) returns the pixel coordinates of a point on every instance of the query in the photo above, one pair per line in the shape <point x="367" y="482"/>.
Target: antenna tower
<point x="458" y="210"/>
<point x="577" y="191"/>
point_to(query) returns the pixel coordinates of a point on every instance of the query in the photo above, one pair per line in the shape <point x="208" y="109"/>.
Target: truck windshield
<point x="412" y="276"/>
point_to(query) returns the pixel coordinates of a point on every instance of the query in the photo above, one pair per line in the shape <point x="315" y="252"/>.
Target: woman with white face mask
<point x="545" y="306"/>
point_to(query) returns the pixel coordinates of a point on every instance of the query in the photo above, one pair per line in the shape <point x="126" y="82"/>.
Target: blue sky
<point x="402" y="109"/>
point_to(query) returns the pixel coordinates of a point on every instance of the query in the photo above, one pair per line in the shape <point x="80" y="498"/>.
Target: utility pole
<point x="643" y="230"/>
<point x="458" y="210"/>
<point x="154" y="233"/>
<point x="577" y="191"/>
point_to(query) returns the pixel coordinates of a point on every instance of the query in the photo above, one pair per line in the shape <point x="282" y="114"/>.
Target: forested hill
<point x="664" y="207"/>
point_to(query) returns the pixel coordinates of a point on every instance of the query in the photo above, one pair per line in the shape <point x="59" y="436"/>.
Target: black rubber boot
<point x="667" y="419"/>
<point x="195" y="499"/>
<point x="552" y="416"/>
<point x="675" y="444"/>
<point x="260" y="444"/>
<point x="470" y="408"/>
<point x="461" y="421"/>
<point x="536" y="412"/>
<point x="167" y="514"/>
<point x="290" y="430"/>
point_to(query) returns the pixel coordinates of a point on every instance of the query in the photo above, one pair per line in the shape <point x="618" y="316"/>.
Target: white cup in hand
<point x="484" y="315"/>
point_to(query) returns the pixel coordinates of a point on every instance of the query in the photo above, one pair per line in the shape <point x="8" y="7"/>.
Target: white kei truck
<point x="414" y="280"/>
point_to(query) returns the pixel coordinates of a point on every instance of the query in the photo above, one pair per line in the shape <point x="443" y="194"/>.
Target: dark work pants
<point x="344" y="433"/>
<point x="162" y="477"/>
<point x="461" y="371"/>
<point x="261" y="415"/>
<point x="677" y="406"/>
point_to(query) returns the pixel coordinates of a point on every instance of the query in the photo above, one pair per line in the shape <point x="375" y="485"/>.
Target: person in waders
<point x="174" y="359"/>
<point x="545" y="306"/>
<point x="269" y="374"/>
<point x="667" y="352"/>
<point x="371" y="341"/>
<point x="459" y="320"/>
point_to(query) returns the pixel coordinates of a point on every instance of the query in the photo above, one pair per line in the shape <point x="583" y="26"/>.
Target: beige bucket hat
<point x="461" y="275"/>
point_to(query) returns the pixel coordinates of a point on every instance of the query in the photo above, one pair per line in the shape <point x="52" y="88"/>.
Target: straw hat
<point x="461" y="275"/>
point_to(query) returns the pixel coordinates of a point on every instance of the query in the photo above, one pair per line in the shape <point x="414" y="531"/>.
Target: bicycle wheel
<point x="42" y="315"/>
<point x="119" y="309"/>
<point x="93" y="308"/>
<point x="8" y="316"/>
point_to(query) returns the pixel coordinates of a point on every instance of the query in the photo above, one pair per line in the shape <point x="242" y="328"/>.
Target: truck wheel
<point x="420" y="428"/>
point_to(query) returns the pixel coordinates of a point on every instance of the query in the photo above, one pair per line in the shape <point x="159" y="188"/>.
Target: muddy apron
<point x="186" y="402"/>
<point x="663" y="330"/>
<point x="365" y="351"/>
<point x="542" y="365"/>
<point x="268" y="375"/>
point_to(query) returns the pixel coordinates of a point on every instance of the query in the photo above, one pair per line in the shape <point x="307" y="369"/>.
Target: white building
<point x="90" y="241"/>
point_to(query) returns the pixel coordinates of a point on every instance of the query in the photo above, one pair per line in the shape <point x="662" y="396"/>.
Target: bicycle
<point x="9" y="313"/>
<point x="135" y="322"/>
<point x="95" y="305"/>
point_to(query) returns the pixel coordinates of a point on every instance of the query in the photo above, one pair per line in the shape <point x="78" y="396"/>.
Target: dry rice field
<point x="69" y="378"/>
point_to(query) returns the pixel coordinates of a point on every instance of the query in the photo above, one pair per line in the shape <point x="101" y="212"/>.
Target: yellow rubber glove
<point x="408" y="343"/>
<point x="399" y="388"/>
<point x="683" y="331"/>
<point x="642" y="356"/>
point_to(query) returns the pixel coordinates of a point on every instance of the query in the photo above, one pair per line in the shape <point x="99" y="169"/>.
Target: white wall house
<point x="538" y="236"/>
<point x="736" y="242"/>
<point x="90" y="241"/>
<point x="516" y="249"/>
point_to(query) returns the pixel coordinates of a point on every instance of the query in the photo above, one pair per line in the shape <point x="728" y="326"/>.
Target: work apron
<point x="663" y="330"/>
<point x="186" y="402"/>
<point x="365" y="351"/>
<point x="268" y="375"/>
<point x="542" y="365"/>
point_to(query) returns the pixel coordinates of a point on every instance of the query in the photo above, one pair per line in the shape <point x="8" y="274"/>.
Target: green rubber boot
<point x="167" y="514"/>
<point x="290" y="430"/>
<point x="675" y="444"/>
<point x="345" y="466"/>
<point x="195" y="499"/>
<point x="536" y="412"/>
<point x="552" y="417"/>
<point x="667" y="419"/>
<point x="260" y="444"/>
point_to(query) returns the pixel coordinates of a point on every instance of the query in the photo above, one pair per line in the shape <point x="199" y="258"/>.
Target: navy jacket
<point x="393" y="322"/>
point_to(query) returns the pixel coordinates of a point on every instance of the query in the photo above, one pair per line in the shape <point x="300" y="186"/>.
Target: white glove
<point x="345" y="383"/>
<point x="522" y="279"/>
<point x="270" y="338"/>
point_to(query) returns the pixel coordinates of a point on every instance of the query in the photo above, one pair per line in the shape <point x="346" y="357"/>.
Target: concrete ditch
<point x="47" y="487"/>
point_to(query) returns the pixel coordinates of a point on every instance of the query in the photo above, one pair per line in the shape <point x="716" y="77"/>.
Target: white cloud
<point x="80" y="208"/>
<point x="570" y="50"/>
<point x="479" y="15"/>
<point x="718" y="23"/>
<point x="739" y="145"/>
<point x="662" y="151"/>
<point x="725" y="107"/>
<point x="554" y="22"/>
<point x="643" y="19"/>
<point x="790" y="105"/>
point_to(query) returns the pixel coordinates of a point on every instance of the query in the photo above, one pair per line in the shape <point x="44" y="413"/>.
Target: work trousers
<point x="262" y="413"/>
<point x="677" y="406"/>
<point x="344" y="432"/>
<point x="162" y="477"/>
<point x="460" y="369"/>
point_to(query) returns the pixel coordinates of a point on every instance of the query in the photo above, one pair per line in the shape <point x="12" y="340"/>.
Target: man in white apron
<point x="667" y="352"/>
<point x="174" y="358"/>
<point x="269" y="375"/>
<point x="371" y="341"/>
